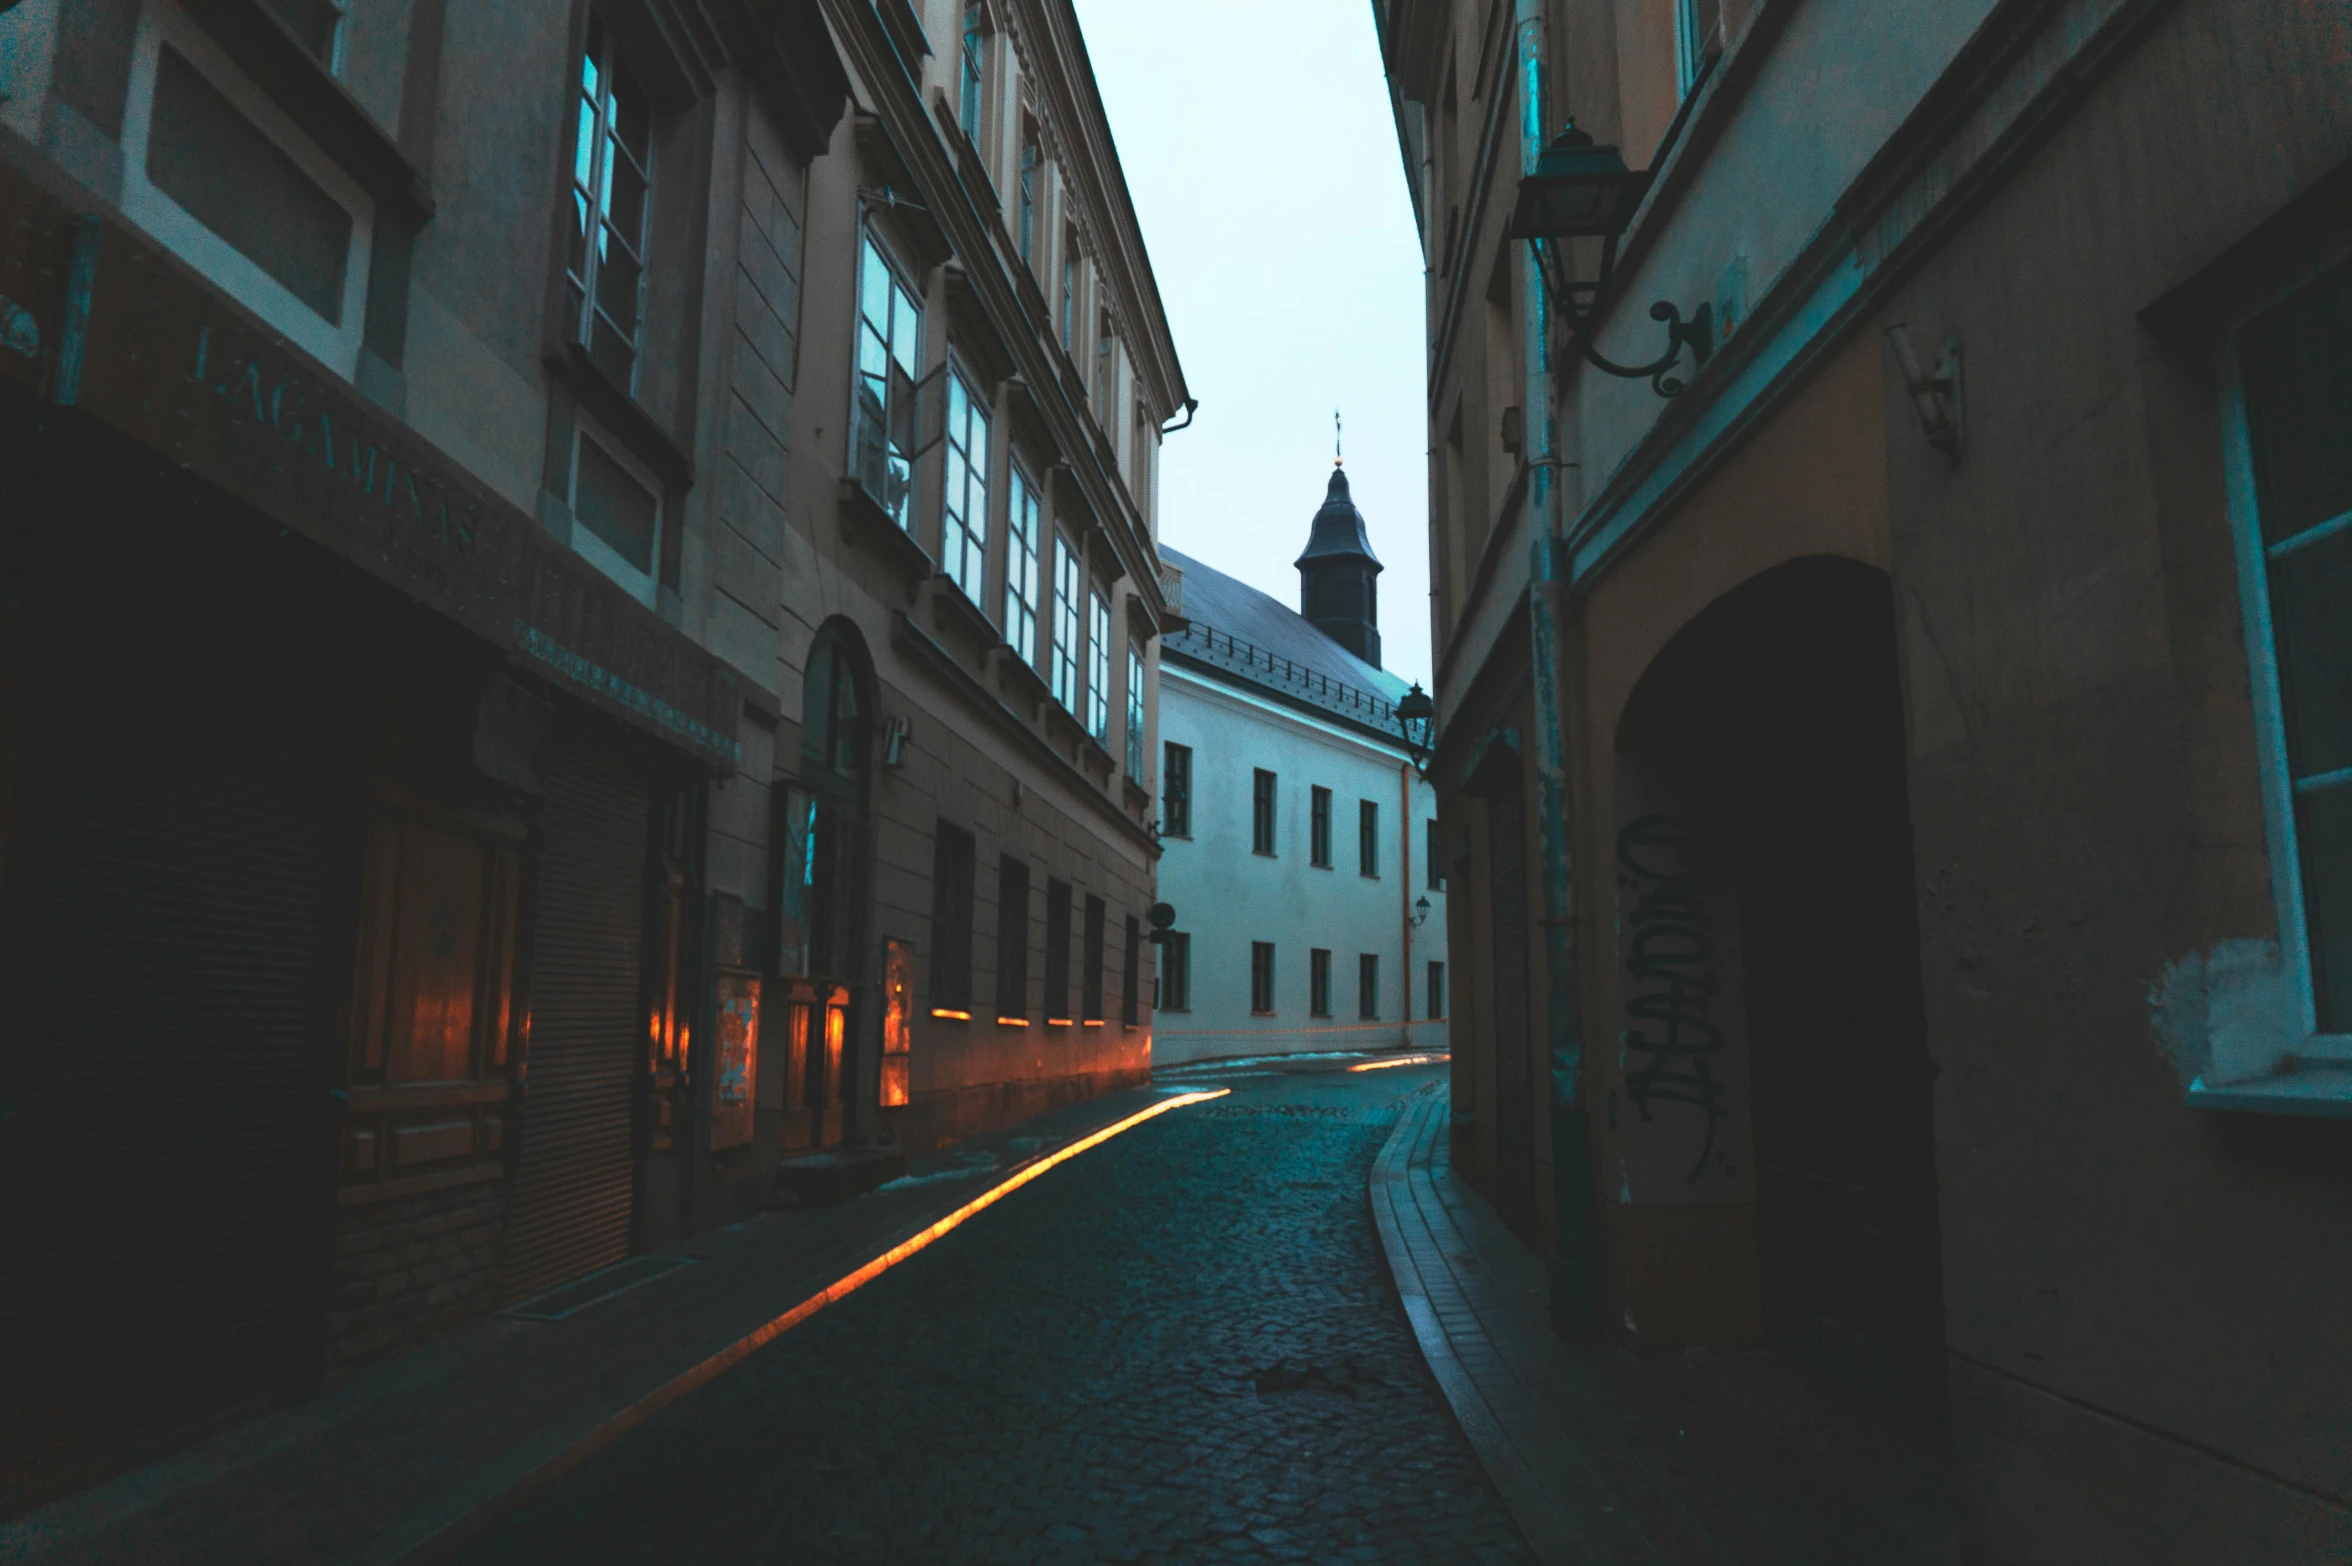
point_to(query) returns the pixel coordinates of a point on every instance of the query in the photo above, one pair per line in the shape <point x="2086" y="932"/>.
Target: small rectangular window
<point x="1032" y="163"/>
<point x="1070" y="290"/>
<point x="1437" y="994"/>
<point x="1318" y="982"/>
<point x="226" y="173"/>
<point x="973" y="75"/>
<point x="1135" y="714"/>
<point x="1429" y="855"/>
<point x="1368" y="986"/>
<point x="1098" y="669"/>
<point x="1262" y="978"/>
<point x="1131" y="993"/>
<point x="963" y="538"/>
<point x="1106" y="368"/>
<point x="1066" y="626"/>
<point x="1091" y="980"/>
<point x="1176" y="791"/>
<point x="1021" y="568"/>
<point x="1012" y="939"/>
<point x="609" y="502"/>
<point x="1695" y="42"/>
<point x="1319" y="828"/>
<point x="951" y="922"/>
<point x="1057" y="952"/>
<point x="1262" y="812"/>
<point x="1175" y="971"/>
<point x="1367" y="837"/>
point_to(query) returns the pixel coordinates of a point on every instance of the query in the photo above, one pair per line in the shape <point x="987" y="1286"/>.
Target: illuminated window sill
<point x="1057" y="1022"/>
<point x="950" y="1015"/>
<point x="2321" y="1091"/>
<point x="1094" y="1022"/>
<point x="1012" y="1022"/>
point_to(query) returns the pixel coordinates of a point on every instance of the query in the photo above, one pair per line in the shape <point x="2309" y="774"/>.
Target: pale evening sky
<point x="1256" y="138"/>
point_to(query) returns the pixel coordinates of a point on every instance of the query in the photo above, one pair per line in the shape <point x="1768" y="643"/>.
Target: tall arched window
<point x="826" y="810"/>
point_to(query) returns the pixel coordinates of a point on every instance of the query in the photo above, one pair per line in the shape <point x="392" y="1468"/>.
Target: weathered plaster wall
<point x="2144" y="1299"/>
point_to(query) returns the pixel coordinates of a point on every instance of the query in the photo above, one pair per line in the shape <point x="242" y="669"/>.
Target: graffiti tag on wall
<point x="1673" y="1042"/>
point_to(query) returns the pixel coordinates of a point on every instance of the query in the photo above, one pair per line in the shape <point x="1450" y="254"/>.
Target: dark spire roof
<point x="1338" y="530"/>
<point x="1250" y="639"/>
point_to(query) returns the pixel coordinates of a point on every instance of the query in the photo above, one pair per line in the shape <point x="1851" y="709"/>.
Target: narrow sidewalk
<point x="410" y="1458"/>
<point x="1610" y="1458"/>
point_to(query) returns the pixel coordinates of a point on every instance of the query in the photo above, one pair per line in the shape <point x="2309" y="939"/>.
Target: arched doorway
<point x="1761" y="761"/>
<point x="823" y="901"/>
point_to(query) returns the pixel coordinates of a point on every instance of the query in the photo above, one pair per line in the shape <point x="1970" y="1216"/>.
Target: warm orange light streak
<point x="900" y="1252"/>
<point x="951" y="1014"/>
<point x="1409" y="1060"/>
<point x="735" y="1353"/>
<point x="1012" y="1022"/>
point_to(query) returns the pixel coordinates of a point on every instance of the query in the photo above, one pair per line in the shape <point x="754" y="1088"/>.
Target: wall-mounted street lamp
<point x="1420" y="912"/>
<point x="1416" y="714"/>
<point x="1583" y="191"/>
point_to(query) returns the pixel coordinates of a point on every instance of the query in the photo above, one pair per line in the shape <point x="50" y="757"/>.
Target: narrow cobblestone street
<point x="1181" y="1346"/>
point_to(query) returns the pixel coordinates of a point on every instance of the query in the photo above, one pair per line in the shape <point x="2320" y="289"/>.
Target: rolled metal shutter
<point x="576" y="1158"/>
<point x="175" y="926"/>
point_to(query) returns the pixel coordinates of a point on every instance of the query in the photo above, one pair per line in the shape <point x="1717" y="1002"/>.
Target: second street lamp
<point x="1416" y="715"/>
<point x="1583" y="191"/>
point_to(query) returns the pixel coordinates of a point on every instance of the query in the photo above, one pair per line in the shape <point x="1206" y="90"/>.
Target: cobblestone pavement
<point x="1181" y="1346"/>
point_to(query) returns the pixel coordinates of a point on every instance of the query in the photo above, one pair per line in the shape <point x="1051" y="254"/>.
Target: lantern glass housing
<point x="1578" y="191"/>
<point x="1414" y="710"/>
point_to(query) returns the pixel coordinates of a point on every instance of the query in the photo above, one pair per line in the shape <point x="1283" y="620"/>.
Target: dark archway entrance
<point x="1779" y="713"/>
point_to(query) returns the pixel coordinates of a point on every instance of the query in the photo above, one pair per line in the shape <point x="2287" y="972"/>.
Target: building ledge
<point x="949" y="607"/>
<point x="863" y="521"/>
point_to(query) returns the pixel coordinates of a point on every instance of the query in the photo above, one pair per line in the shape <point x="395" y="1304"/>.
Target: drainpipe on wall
<point x="1574" y="1264"/>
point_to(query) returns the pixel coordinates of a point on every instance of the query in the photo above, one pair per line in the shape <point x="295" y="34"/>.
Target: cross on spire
<point x="1338" y="456"/>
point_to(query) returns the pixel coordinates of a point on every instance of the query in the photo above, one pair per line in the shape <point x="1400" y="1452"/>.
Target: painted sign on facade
<point x="737" y="1068"/>
<point x="94" y="317"/>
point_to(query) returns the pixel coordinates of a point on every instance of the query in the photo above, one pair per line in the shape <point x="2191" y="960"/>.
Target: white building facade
<point x="1296" y="832"/>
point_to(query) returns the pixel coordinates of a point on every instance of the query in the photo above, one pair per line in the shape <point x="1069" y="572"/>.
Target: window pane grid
<point x="1065" y="648"/>
<point x="1021" y="570"/>
<point x="1135" y="713"/>
<point x="2297" y="366"/>
<point x="2304" y="540"/>
<point x="611" y="176"/>
<point x="1098" y="670"/>
<point x="965" y="533"/>
<point x="1176" y="791"/>
<point x="882" y="422"/>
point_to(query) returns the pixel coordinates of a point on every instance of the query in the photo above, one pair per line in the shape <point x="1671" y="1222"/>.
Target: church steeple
<point x="1339" y="587"/>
